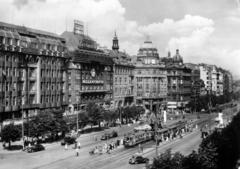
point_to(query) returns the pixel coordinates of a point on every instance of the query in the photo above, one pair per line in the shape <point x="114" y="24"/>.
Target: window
<point x="14" y="86"/>
<point x="116" y="80"/>
<point x="14" y="101"/>
<point x="7" y="86"/>
<point x="42" y="86"/>
<point x="69" y="76"/>
<point x="7" y="101"/>
<point x="42" y="99"/>
<point x="78" y="76"/>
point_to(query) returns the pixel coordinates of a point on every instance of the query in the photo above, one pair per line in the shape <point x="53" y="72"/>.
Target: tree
<point x="168" y="160"/>
<point x="110" y="115"/>
<point x="11" y="133"/>
<point x="95" y="113"/>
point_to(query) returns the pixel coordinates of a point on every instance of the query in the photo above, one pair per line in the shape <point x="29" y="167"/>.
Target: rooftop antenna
<point x="66" y="23"/>
<point x="12" y="17"/>
<point x="87" y="28"/>
<point x="34" y="21"/>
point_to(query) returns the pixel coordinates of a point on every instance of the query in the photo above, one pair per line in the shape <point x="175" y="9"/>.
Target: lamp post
<point x="78" y="106"/>
<point x="210" y="106"/>
<point x="20" y="98"/>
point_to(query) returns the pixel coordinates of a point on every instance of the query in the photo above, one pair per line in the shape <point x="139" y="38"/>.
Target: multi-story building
<point x="227" y="84"/>
<point x="205" y="75"/>
<point x="179" y="83"/>
<point x="150" y="83"/>
<point x="123" y="77"/>
<point x="90" y="73"/>
<point x="32" y="64"/>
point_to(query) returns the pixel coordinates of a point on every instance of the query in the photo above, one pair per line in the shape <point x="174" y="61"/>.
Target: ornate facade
<point x="150" y="78"/>
<point x="179" y="82"/>
<point x="123" y="76"/>
<point x="90" y="73"/>
<point x="32" y="63"/>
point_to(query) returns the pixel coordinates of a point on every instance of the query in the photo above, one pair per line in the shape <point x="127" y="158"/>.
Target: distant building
<point x="150" y="82"/>
<point x="205" y="75"/>
<point x="123" y="76"/>
<point x="179" y="82"/>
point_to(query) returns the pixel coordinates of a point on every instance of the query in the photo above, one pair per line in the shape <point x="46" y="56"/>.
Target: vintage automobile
<point x="34" y="148"/>
<point x="137" y="159"/>
<point x="107" y="136"/>
<point x="68" y="140"/>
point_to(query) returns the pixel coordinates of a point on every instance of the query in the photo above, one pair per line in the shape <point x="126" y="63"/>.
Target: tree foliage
<point x="220" y="150"/>
<point x="11" y="133"/>
<point x="168" y="160"/>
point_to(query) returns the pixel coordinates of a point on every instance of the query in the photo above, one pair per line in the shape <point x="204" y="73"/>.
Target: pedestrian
<point x="79" y="145"/>
<point x="66" y="146"/>
<point x="76" y="151"/>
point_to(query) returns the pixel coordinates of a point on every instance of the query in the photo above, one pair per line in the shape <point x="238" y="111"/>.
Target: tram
<point x="135" y="138"/>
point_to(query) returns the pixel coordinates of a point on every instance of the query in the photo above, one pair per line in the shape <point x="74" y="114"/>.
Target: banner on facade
<point x="92" y="81"/>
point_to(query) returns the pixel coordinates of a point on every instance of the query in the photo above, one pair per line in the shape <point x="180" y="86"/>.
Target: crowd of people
<point x="106" y="147"/>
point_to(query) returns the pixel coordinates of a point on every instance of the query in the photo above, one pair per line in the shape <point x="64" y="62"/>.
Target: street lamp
<point x="78" y="100"/>
<point x="20" y="99"/>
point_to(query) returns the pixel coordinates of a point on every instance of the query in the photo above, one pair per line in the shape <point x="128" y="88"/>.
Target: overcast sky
<point x="205" y="31"/>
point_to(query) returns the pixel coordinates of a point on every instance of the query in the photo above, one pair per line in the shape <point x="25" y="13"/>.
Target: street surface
<point x="56" y="157"/>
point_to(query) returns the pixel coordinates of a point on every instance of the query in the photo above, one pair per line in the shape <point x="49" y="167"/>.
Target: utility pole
<point x="210" y="107"/>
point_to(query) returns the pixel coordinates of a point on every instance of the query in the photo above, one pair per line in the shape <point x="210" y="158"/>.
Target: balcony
<point x="18" y="49"/>
<point x="11" y="48"/>
<point x="30" y="51"/>
<point x="45" y="52"/>
<point x="32" y="78"/>
<point x="33" y="91"/>
<point x="4" y="47"/>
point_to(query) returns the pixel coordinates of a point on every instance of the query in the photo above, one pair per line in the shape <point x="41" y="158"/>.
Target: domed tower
<point x="148" y="53"/>
<point x="177" y="58"/>
<point x="115" y="43"/>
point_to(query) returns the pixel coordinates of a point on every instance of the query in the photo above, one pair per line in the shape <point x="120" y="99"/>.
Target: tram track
<point x="117" y="156"/>
<point x="120" y="156"/>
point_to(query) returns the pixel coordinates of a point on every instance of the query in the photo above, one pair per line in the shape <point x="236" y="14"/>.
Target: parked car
<point x="68" y="140"/>
<point x="37" y="147"/>
<point x="106" y="136"/>
<point x="136" y="159"/>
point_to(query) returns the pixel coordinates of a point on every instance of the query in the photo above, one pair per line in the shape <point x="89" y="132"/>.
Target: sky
<point x="204" y="31"/>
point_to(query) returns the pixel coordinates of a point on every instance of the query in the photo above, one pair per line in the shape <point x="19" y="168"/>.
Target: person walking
<point x="66" y="146"/>
<point x="76" y="151"/>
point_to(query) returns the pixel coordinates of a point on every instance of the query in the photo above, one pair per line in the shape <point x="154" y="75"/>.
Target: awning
<point x="16" y="35"/>
<point x="2" y="33"/>
<point x="26" y="39"/>
<point x="42" y="40"/>
<point x="9" y="34"/>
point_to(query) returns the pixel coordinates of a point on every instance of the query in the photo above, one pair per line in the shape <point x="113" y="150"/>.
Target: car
<point x="37" y="147"/>
<point x="68" y="140"/>
<point x="137" y="159"/>
<point x="106" y="136"/>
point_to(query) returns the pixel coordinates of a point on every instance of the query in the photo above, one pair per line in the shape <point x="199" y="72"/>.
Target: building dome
<point x="148" y="49"/>
<point x="177" y="57"/>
